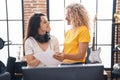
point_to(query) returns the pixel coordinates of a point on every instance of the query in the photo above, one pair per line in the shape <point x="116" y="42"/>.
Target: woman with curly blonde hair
<point x="78" y="37"/>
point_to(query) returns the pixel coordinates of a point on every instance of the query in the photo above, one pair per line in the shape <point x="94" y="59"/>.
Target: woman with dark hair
<point x="38" y="39"/>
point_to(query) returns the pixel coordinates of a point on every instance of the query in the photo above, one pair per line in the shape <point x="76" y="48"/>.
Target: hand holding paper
<point x="59" y="56"/>
<point x="47" y="58"/>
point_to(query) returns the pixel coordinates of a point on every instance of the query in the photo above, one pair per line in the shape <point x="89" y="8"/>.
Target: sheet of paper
<point x="47" y="58"/>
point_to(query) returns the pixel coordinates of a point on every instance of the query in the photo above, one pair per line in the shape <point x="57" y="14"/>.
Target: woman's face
<point x="44" y="25"/>
<point x="67" y="17"/>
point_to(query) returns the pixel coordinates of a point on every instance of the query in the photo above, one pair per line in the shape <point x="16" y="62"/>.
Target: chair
<point x="18" y="69"/>
<point x="5" y="76"/>
<point x="2" y="67"/>
<point x="15" y="68"/>
<point x="11" y="67"/>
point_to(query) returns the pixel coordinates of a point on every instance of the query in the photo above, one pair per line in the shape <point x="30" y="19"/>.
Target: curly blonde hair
<point x="78" y="15"/>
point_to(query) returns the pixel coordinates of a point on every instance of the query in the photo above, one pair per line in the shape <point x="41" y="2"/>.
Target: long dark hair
<point x="34" y="24"/>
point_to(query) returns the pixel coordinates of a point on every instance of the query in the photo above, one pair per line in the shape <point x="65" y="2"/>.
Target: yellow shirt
<point x="72" y="39"/>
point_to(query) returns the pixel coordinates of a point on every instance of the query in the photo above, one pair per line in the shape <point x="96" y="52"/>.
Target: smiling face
<point x="44" y="25"/>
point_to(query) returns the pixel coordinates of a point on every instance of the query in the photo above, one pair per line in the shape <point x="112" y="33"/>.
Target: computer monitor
<point x="66" y="72"/>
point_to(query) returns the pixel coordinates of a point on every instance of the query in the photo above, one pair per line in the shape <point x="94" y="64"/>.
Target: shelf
<point x="115" y="40"/>
<point x="116" y="23"/>
<point x="115" y="50"/>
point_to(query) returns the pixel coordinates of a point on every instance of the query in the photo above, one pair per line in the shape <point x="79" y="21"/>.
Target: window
<point x="11" y="28"/>
<point x="103" y="25"/>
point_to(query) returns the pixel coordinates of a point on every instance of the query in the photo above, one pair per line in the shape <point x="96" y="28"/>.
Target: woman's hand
<point x="59" y="56"/>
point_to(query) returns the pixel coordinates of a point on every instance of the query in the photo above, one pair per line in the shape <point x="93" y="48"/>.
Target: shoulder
<point x="54" y="40"/>
<point x="82" y="28"/>
<point x="29" y="40"/>
<point x="53" y="37"/>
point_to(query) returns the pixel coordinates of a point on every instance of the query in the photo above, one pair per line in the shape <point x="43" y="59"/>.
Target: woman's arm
<point x="78" y="56"/>
<point x="32" y="61"/>
<point x="81" y="52"/>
